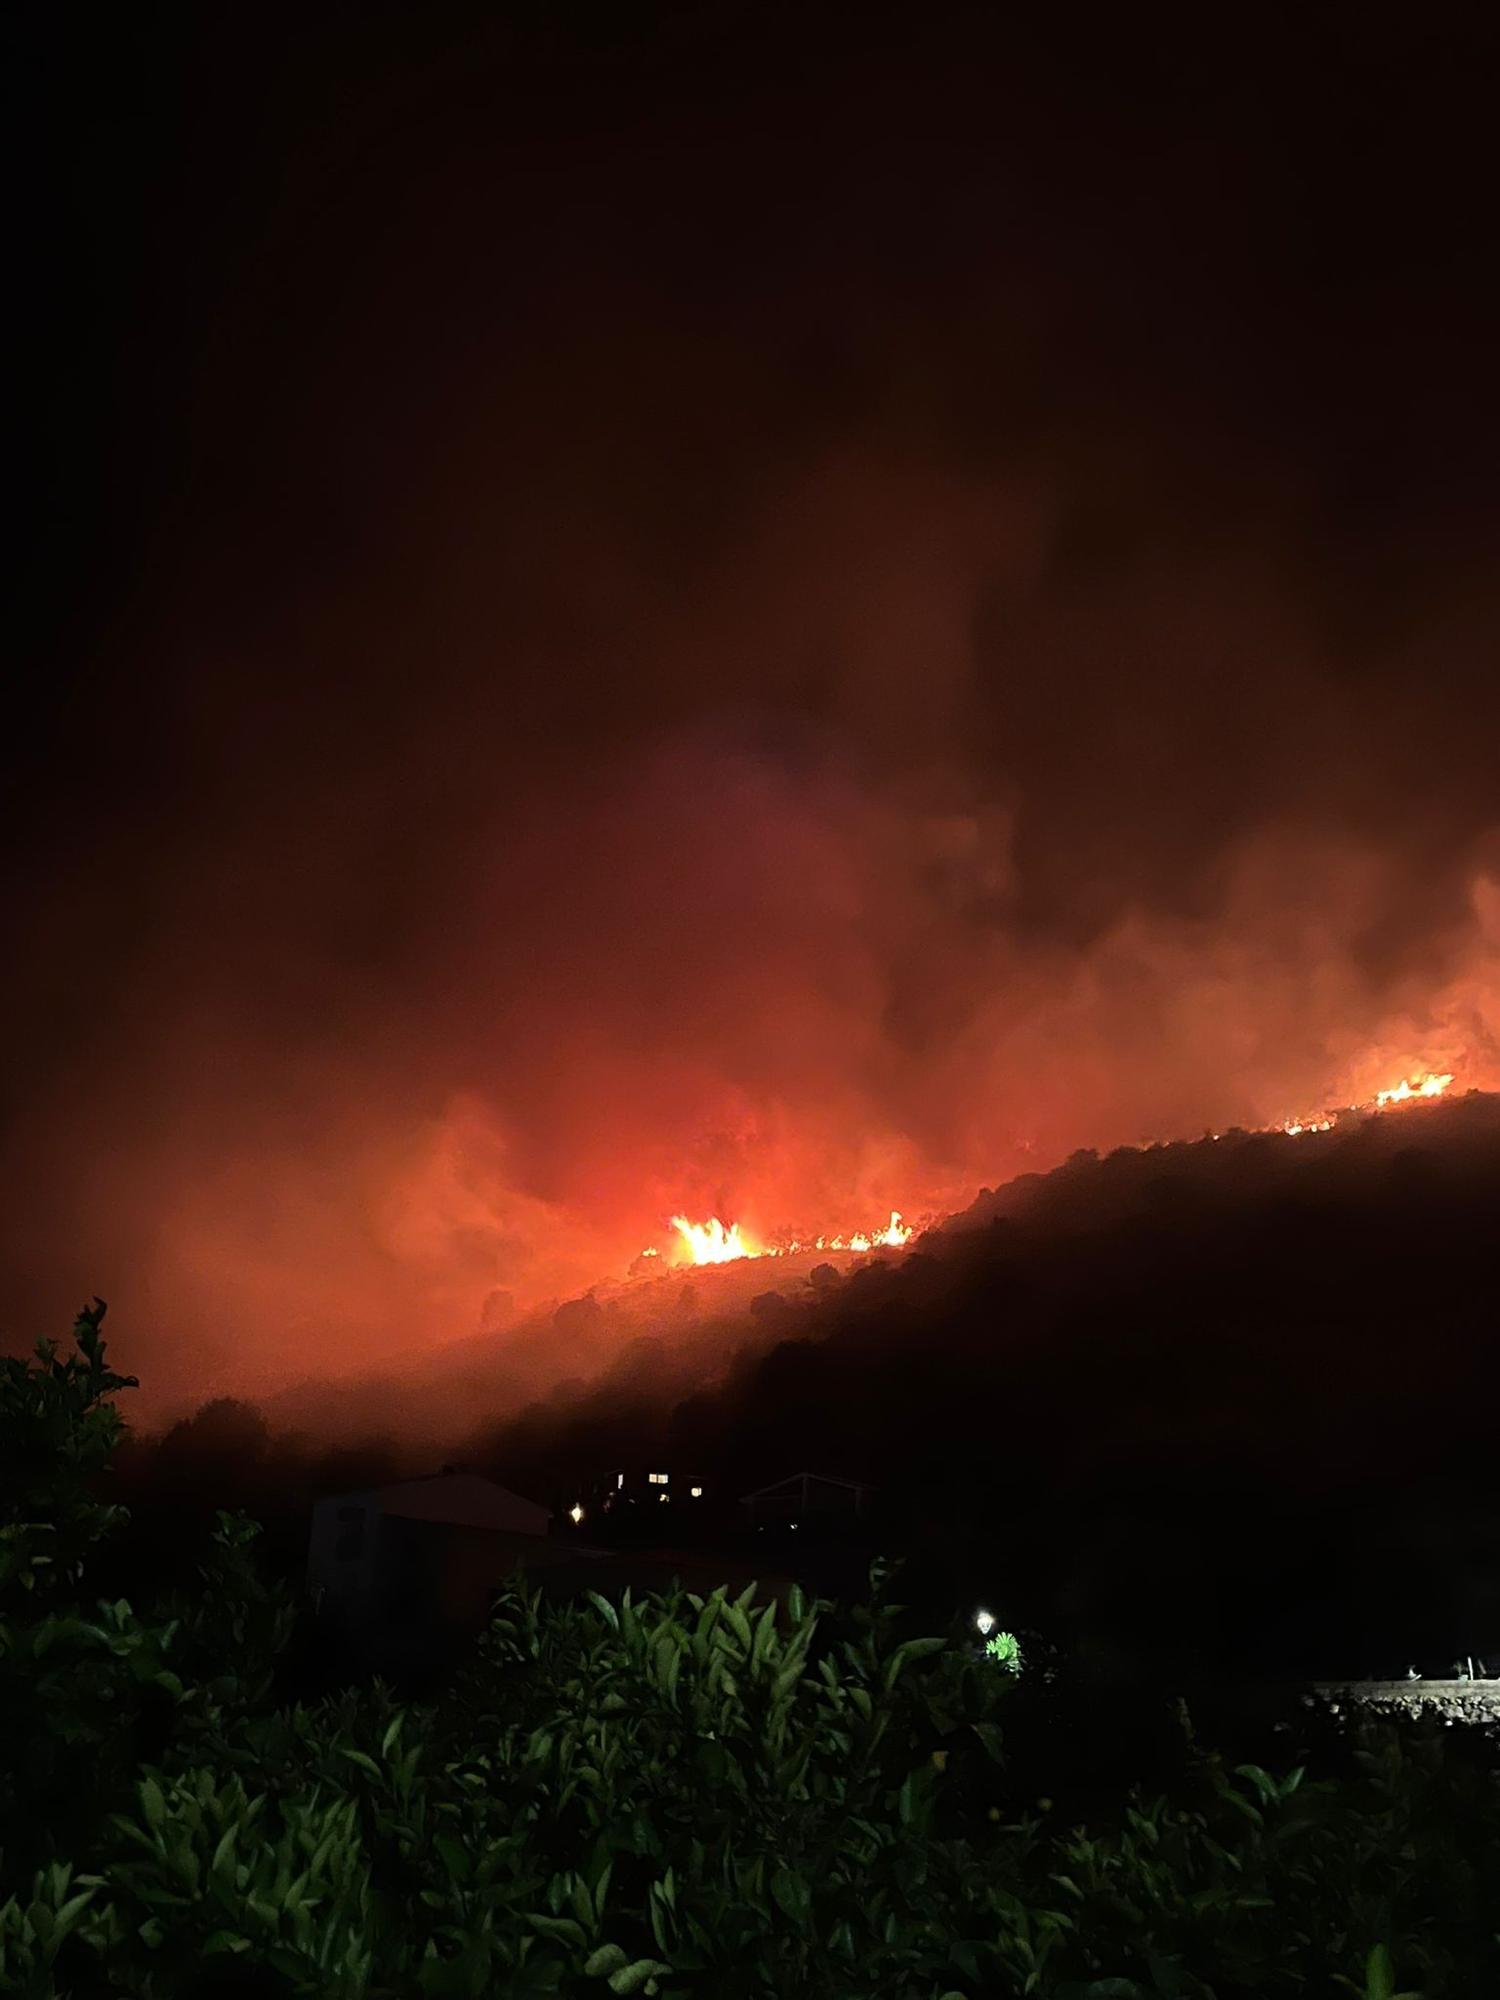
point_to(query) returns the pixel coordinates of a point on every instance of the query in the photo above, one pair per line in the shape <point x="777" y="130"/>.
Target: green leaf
<point x="765" y="1627"/>
<point x="68" y="1912"/>
<point x="1262" y="1780"/>
<point x="567" y="1930"/>
<point x="578" y="1895"/>
<point x="991" y="1737"/>
<point x="792" y="1893"/>
<point x="218" y="1941"/>
<point x="601" y="1887"/>
<point x="153" y="1805"/>
<point x="454" y="1857"/>
<point x="605" y="1609"/>
<point x="909" y="1649"/>
<point x="631" y="1978"/>
<point x="1380" y="1975"/>
<point x="608" y="1958"/>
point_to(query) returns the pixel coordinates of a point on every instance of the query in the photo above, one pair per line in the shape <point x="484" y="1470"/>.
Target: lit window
<point x="696" y="1492"/>
<point x="619" y="1481"/>
<point x="657" y="1478"/>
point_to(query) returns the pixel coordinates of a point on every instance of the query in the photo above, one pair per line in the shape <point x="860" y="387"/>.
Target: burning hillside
<point x="714" y="1241"/>
<point x="1423" y="1086"/>
<point x="673" y="1326"/>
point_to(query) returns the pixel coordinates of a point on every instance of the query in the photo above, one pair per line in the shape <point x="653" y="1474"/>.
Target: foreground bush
<point x="682" y="1797"/>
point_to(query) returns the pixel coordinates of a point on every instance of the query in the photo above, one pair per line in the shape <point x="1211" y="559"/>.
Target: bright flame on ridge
<point x="710" y="1242"/>
<point x="1425" y="1084"/>
<point x="713" y="1242"/>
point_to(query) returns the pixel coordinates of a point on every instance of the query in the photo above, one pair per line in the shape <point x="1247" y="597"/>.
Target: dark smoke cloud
<point x="705" y="623"/>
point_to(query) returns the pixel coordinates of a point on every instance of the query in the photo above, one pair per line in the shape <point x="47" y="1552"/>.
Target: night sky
<point x="766" y="611"/>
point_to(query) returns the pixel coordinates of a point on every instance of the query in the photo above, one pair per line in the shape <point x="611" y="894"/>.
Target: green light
<point x="1004" y="1649"/>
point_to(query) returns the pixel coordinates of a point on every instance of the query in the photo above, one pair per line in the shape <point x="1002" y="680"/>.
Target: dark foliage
<point x="681" y="1797"/>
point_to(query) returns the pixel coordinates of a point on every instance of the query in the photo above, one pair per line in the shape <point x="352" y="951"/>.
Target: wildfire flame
<point x="1425" y="1086"/>
<point x="713" y="1242"/>
<point x="1408" y="1091"/>
<point x="717" y="1242"/>
<point x="710" y="1242"/>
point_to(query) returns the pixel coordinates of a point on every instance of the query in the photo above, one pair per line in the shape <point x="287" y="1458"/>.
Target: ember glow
<point x="713" y="1242"/>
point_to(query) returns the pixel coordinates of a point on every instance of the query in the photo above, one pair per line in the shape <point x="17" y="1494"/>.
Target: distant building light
<point x="663" y="1496"/>
<point x="985" y="1620"/>
<point x="619" y="1481"/>
<point x="575" y="1512"/>
<point x="657" y="1478"/>
<point x="695" y="1492"/>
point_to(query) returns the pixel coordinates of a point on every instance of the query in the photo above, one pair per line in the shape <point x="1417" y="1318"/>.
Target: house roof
<point x="463" y="1499"/>
<point x="793" y="1482"/>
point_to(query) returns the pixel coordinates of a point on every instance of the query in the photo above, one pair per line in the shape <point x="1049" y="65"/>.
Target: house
<point x="807" y="1499"/>
<point x="402" y="1569"/>
<point x="648" y="1486"/>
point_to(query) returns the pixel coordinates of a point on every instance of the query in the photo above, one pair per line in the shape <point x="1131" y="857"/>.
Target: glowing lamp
<point x="575" y="1513"/>
<point x="985" y="1620"/>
